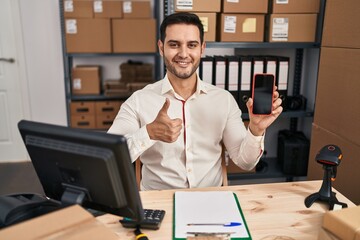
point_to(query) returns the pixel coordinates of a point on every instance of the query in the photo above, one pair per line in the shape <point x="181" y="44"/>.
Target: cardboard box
<point x="341" y="24"/>
<point x="78" y="8"/>
<point x="197" y="6"/>
<point x="83" y="121"/>
<point x="104" y="121"/>
<point x="88" y="35"/>
<point x="85" y="80"/>
<point x="242" y="28"/>
<point x="107" y="107"/>
<point x="292" y="27"/>
<point x="71" y="223"/>
<point x="295" y="6"/>
<point x="245" y="6"/>
<point x="209" y="22"/>
<point x="137" y="9"/>
<point x="326" y="235"/>
<point x="82" y="108"/>
<point x="108" y="9"/>
<point x="349" y="165"/>
<point x="338" y="99"/>
<point x="344" y="223"/>
<point x="140" y="35"/>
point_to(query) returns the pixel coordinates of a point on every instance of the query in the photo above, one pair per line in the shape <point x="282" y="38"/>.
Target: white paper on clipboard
<point x="195" y="207"/>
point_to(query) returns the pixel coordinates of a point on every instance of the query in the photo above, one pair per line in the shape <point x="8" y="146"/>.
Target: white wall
<point x="44" y="62"/>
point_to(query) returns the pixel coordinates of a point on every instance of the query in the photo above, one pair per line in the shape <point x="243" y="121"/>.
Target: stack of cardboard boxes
<point x="255" y="20"/>
<point x="93" y="114"/>
<point x="337" y="111"/>
<point x="293" y="21"/>
<point x="99" y="26"/>
<point x="103" y="26"/>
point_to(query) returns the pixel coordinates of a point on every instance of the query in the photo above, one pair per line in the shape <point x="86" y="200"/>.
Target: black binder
<point x="206" y="69"/>
<point x="282" y="77"/>
<point x="219" y="71"/>
<point x="233" y="76"/>
<point x="245" y="64"/>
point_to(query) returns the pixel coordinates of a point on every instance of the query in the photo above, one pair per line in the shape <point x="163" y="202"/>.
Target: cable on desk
<point x="139" y="235"/>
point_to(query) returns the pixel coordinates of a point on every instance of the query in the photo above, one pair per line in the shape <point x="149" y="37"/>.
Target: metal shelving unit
<point x="68" y="60"/>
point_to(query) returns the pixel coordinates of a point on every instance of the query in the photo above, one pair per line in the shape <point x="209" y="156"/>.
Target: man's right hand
<point x="163" y="128"/>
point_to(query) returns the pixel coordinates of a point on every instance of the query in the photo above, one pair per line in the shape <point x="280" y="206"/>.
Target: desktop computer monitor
<point x="86" y="167"/>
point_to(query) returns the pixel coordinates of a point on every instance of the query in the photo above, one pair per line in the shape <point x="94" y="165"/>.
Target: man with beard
<point x="178" y="124"/>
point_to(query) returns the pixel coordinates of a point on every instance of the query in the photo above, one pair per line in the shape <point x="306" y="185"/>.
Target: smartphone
<point x="263" y="93"/>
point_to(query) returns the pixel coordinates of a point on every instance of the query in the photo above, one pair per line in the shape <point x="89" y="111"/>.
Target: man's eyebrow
<point x="189" y="42"/>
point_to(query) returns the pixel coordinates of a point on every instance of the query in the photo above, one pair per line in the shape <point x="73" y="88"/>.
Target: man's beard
<point x="183" y="75"/>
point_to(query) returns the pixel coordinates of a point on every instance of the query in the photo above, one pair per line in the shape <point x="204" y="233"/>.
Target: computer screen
<point x="86" y="167"/>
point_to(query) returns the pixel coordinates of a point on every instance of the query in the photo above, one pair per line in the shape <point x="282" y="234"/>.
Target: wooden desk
<point x="272" y="211"/>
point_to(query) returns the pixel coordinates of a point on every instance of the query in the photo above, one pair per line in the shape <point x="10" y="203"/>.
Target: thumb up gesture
<point x="164" y="128"/>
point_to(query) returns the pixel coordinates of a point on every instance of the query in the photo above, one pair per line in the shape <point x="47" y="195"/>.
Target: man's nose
<point x="183" y="52"/>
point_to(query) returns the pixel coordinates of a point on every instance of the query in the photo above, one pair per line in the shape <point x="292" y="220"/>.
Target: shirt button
<point x="189" y="170"/>
<point x="142" y="145"/>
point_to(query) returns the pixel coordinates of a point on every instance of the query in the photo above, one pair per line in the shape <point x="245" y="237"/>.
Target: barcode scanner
<point x="330" y="157"/>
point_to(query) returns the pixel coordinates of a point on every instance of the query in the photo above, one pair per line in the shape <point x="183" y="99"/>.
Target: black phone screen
<point x="262" y="94"/>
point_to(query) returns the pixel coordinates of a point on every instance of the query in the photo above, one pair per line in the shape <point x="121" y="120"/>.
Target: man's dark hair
<point x="181" y="18"/>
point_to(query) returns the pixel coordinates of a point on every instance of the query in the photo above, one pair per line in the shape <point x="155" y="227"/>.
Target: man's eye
<point x="192" y="45"/>
<point x="173" y="45"/>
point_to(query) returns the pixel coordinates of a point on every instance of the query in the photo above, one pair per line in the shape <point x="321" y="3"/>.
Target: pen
<point x="230" y="224"/>
<point x="210" y="234"/>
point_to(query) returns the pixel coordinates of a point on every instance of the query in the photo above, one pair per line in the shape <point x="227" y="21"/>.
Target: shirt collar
<point x="166" y="86"/>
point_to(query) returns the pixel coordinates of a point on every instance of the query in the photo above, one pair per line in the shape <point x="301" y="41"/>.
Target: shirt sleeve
<point x="243" y="147"/>
<point x="127" y="124"/>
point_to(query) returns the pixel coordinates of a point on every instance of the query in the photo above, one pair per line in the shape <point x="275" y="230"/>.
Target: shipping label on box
<point x="280" y="29"/>
<point x="197" y="5"/>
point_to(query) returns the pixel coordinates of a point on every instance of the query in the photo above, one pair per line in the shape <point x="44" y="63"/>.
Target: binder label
<point x="207" y="71"/>
<point x="220" y="74"/>
<point x="184" y="4"/>
<point x="233" y="76"/>
<point x="280" y="29"/>
<point x="98" y="6"/>
<point x="230" y="24"/>
<point x="233" y="1"/>
<point x="283" y="75"/>
<point x="245" y="76"/>
<point x="271" y="67"/>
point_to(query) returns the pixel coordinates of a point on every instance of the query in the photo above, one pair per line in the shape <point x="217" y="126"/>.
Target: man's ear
<point x="203" y="46"/>
<point x="161" y="47"/>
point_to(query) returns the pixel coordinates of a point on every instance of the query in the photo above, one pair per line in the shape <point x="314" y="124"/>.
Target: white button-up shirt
<point x="210" y="116"/>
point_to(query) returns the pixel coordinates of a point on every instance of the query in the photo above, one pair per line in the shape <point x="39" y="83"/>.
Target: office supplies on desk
<point x="208" y="212"/>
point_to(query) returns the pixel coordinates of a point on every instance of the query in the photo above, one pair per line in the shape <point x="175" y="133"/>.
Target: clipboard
<point x="206" y="212"/>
